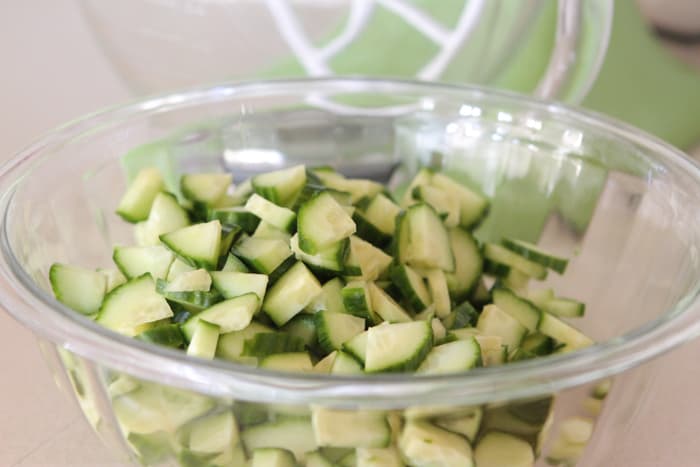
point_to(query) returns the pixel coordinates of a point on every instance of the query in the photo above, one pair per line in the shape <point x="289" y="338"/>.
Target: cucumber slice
<point x="198" y="245"/>
<point x="334" y="329"/>
<point x="294" y="290"/>
<point x="290" y="361"/>
<point x="264" y="344"/>
<point x="79" y="289"/>
<point x="466" y="425"/>
<point x="166" y="215"/>
<point x="114" y="278"/>
<point x="236" y="215"/>
<point x="328" y="261"/>
<point x="516" y="280"/>
<point x="412" y="287"/>
<point x="385" y="306"/>
<point x="230" y="315"/>
<point x="538" y="344"/>
<point x="330" y="298"/>
<point x="424" y="444"/>
<point x="496" y="449"/>
<point x="168" y="335"/>
<point x="198" y="280"/>
<point x="373" y="262"/>
<point x="445" y="203"/>
<point x="272" y="457"/>
<point x="357" y="188"/>
<point x="151" y="448"/>
<point x="204" y="340"/>
<point x="261" y="254"/>
<point x="281" y="186"/>
<point x="472" y="206"/>
<point x="233" y="264"/>
<point x="366" y="230"/>
<point x="205" y="188"/>
<point x="322" y="222"/>
<point x="382" y="212"/>
<point x="266" y="230"/>
<point x="439" y="292"/>
<point x="522" y="310"/>
<point x="357" y="301"/>
<point x="345" y="364"/>
<point x="277" y="216"/>
<point x="564" y="307"/>
<point x="495" y="322"/>
<point x="178" y="267"/>
<point x="357" y="347"/>
<point x="192" y="301"/>
<point x="501" y="255"/>
<point x="131" y="305"/>
<point x="378" y="457"/>
<point x="536" y="255"/>
<point x="453" y="357"/>
<point x="134" y="261"/>
<point x="314" y="188"/>
<point x="229" y="235"/>
<point x="397" y="347"/>
<point x="325" y="365"/>
<point x="136" y="203"/>
<point x="350" y="429"/>
<point x="423" y="177"/>
<point x="462" y="316"/>
<point x="422" y="239"/>
<point x="234" y="284"/>
<point x="214" y="434"/>
<point x="564" y="333"/>
<point x="230" y="345"/>
<point x="303" y="326"/>
<point x="294" y="434"/>
<point x="468" y="264"/>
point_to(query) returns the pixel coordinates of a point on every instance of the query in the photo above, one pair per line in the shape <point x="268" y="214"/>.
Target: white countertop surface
<point x="52" y="72"/>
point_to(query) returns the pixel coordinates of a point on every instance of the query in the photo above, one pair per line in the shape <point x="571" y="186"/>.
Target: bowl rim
<point x="38" y="310"/>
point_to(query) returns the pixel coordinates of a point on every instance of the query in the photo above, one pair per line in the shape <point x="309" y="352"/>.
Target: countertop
<point x="51" y="72"/>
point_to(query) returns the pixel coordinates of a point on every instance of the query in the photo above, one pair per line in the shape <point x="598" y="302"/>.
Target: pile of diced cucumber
<point x="305" y="270"/>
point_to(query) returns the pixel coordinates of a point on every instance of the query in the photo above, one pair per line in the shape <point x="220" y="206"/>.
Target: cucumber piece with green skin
<point x="229" y="234"/>
<point x="564" y="307"/>
<point x="445" y="203"/>
<point x="357" y="188"/>
<point x="564" y="333"/>
<point x="366" y="230"/>
<point x="231" y="344"/>
<point x="281" y="186"/>
<point x="357" y="301"/>
<point x="204" y="340"/>
<point x="234" y="284"/>
<point x="373" y="262"/>
<point x="262" y="255"/>
<point x="328" y="261"/>
<point x="397" y="347"/>
<point x="516" y="280"/>
<point x="462" y="316"/>
<point x="536" y="255"/>
<point x="165" y="215"/>
<point x="422" y="239"/>
<point x="439" y="332"/>
<point x="263" y="344"/>
<point x="496" y="449"/>
<point x="178" y="267"/>
<point x="316" y="459"/>
<point x="214" y="433"/>
<point x="312" y="189"/>
<point x="236" y="215"/>
<point x="294" y="434"/>
<point x="472" y="206"/>
<point x="422" y="443"/>
<point x="292" y="292"/>
<point x="538" y="344"/>
<point x="198" y="245"/>
<point x="538" y="297"/>
<point x="289" y="361"/>
<point x="466" y="425"/>
<point x="334" y="329"/>
<point x="330" y="298"/>
<point x="501" y="255"/>
<point x="423" y="177"/>
<point x="469" y="264"/>
<point x="168" y="335"/>
<point x="325" y="365"/>
<point x="357" y="346"/>
<point x="303" y="326"/>
<point x="496" y="269"/>
<point x="350" y="428"/>
<point x="134" y="261"/>
<point x="385" y="306"/>
<point x="230" y="315"/>
<point x="453" y="357"/>
<point x="135" y="205"/>
<point x="272" y="457"/>
<point x="412" y="287"/>
<point x="78" y="288"/>
<point x="114" y="278"/>
<point x="131" y="305"/>
<point x="233" y="264"/>
<point x="379" y="457"/>
<point x="192" y="301"/>
<point x="197" y="280"/>
<point x="495" y="322"/>
<point x="519" y="308"/>
<point x="205" y="188"/>
<point x="266" y="230"/>
<point x="381" y="212"/>
<point x="345" y="364"/>
<point x="277" y="216"/>
<point x="439" y="292"/>
<point x="322" y="222"/>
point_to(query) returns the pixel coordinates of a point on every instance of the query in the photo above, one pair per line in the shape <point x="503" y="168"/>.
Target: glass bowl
<point x="620" y="203"/>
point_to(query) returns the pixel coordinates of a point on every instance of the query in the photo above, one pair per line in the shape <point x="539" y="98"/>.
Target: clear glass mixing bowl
<point x="621" y="204"/>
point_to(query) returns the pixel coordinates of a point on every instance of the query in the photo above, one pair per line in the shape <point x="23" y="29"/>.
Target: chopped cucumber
<point x="372" y="261"/>
<point x="412" y="287"/>
<point x="205" y="188"/>
<point x="334" y="329"/>
<point x="272" y="457"/>
<point x="266" y="230"/>
<point x="345" y="364"/>
<point x="234" y="284"/>
<point x="497" y="449"/>
<point x="330" y="298"/>
<point x="198" y="245"/>
<point x="322" y="222"/>
<point x="165" y="215"/>
<point x="198" y="280"/>
<point x="236" y="215"/>
<point x="350" y="429"/>
<point x="214" y="434"/>
<point x="135" y="205"/>
<point x="422" y="239"/>
<point x="422" y="443"/>
<point x="282" y="186"/>
<point x="445" y="203"/>
<point x="572" y="338"/>
<point x="466" y="424"/>
<point x="378" y="457"/>
<point x="495" y="322"/>
<point x="262" y="255"/>
<point x="134" y="261"/>
<point x="290" y="361"/>
<point x="385" y="306"/>
<point x="230" y="345"/>
<point x="357" y="301"/>
<point x="357" y="346"/>
<point x="472" y="206"/>
<point x="230" y="315"/>
<point x="397" y="347"/>
<point x="522" y="310"/>
<point x="263" y="344"/>
<point x="536" y="254"/>
<point x="503" y="256"/>
<point x="437" y="285"/>
<point x="80" y="289"/>
<point x="204" y="339"/>
<point x="468" y="264"/>
<point x="564" y="307"/>
<point x="291" y="294"/>
<point x="268" y="212"/>
<point x="293" y="434"/>
<point x="330" y="260"/>
<point x="453" y="357"/>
